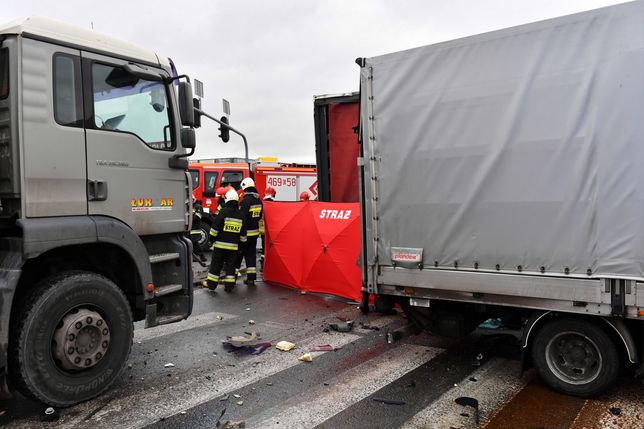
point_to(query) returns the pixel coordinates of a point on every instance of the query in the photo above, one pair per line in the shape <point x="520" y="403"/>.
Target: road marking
<point x="192" y="322"/>
<point x="353" y="385"/>
<point x="496" y="383"/>
<point x="166" y="401"/>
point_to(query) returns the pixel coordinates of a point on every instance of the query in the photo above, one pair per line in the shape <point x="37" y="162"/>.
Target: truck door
<point x="130" y="136"/>
<point x="52" y="130"/>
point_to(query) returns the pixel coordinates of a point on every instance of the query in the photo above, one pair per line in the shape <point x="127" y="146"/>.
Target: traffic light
<point x="224" y="132"/>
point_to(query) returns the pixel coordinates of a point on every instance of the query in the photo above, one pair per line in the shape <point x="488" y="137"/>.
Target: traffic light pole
<point x="223" y="124"/>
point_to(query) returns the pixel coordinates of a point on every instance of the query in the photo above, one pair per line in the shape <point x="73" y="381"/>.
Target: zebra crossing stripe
<point x="192" y="322"/>
<point x="195" y="390"/>
<point x="494" y="384"/>
<point x="353" y="385"/>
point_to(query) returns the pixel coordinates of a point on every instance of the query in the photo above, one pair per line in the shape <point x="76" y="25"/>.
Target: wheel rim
<point x="203" y="238"/>
<point x="81" y="340"/>
<point x="574" y="358"/>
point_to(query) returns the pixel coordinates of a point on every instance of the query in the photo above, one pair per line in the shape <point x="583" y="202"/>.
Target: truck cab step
<point x="162" y="257"/>
<point x="167" y="289"/>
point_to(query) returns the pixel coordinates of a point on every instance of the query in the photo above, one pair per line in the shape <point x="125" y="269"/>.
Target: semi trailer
<point x="501" y="176"/>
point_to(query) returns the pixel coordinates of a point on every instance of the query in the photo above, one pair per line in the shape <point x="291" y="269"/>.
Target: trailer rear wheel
<point x="575" y="357"/>
<point x="71" y="338"/>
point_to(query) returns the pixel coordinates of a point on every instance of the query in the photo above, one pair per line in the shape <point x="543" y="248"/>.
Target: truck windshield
<point x="122" y="102"/>
<point x="4" y="73"/>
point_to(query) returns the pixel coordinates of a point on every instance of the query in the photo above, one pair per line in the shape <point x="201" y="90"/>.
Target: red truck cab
<point x="207" y="176"/>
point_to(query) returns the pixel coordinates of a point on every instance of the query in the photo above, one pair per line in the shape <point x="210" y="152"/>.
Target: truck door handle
<point x="96" y="190"/>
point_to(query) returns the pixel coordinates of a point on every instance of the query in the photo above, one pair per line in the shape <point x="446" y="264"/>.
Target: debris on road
<point x="220" y="317"/>
<point x="306" y="357"/>
<point x="50" y="415"/>
<point x="169" y="365"/>
<point x="284" y="346"/>
<point x="389" y="401"/>
<point x="183" y="413"/>
<point x="230" y="424"/>
<point x="237" y="396"/>
<point x="615" y="411"/>
<point x="251" y="322"/>
<point x="224" y="398"/>
<point x="342" y="327"/>
<point x="491" y="324"/>
<point x="240" y="403"/>
<point x="369" y="327"/>
<point x="2" y="412"/>
<point x="323" y="348"/>
<point x="466" y="401"/>
<point x="247" y="308"/>
<point x="250" y="339"/>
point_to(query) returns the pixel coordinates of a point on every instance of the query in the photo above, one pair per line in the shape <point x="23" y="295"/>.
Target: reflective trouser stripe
<point x="229" y="279"/>
<point x="213" y="277"/>
<point x="252" y="232"/>
<point x="226" y="246"/>
<point x="195" y="231"/>
<point x="214" y="232"/>
<point x="251" y="270"/>
<point x="243" y="239"/>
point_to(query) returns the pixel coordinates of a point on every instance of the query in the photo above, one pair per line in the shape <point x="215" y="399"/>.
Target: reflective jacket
<point x="252" y="208"/>
<point x="229" y="229"/>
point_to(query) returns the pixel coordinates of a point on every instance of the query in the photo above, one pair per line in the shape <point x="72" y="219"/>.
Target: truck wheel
<point x="71" y="338"/>
<point x="575" y="357"/>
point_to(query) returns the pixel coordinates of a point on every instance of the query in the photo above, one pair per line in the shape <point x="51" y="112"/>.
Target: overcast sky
<point x="270" y="57"/>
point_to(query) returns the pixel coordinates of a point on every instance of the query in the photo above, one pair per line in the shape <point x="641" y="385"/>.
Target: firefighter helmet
<point x="221" y="191"/>
<point x="232" y="195"/>
<point x="247" y="183"/>
<point x="304" y="196"/>
<point x="269" y="193"/>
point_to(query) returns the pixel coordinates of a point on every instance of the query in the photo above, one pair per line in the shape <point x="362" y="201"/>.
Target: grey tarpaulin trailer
<point x="502" y="175"/>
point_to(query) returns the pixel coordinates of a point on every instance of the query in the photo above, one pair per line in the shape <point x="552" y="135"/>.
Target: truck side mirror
<point x="188" y="139"/>
<point x="186" y="108"/>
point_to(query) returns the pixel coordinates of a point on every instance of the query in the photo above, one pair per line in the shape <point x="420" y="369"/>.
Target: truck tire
<point x="575" y="357"/>
<point x="70" y="339"/>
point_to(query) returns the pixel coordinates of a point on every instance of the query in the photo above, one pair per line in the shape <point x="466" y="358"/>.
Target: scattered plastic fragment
<point x="220" y="317"/>
<point x="250" y="339"/>
<point x="491" y="324"/>
<point x="306" y="357"/>
<point x="50" y="415"/>
<point x="369" y="327"/>
<point x="224" y="398"/>
<point x="615" y="411"/>
<point x="169" y="365"/>
<point x="284" y="346"/>
<point x="389" y="401"/>
<point x="247" y="308"/>
<point x="269" y="384"/>
<point x="469" y="402"/>
<point x="183" y="413"/>
<point x="231" y="424"/>
<point x="342" y="327"/>
<point x="237" y="396"/>
<point x="323" y="348"/>
<point x="251" y="322"/>
<point x="240" y="403"/>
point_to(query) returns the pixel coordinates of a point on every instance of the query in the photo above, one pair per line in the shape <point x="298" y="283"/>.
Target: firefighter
<point x="304" y="196"/>
<point x="198" y="230"/>
<point x="251" y="208"/>
<point x="221" y="197"/>
<point x="228" y="235"/>
<point x="269" y="195"/>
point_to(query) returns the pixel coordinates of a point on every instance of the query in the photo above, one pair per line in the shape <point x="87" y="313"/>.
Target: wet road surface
<point x="414" y="381"/>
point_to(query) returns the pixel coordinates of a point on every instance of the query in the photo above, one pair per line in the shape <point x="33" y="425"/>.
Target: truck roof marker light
<point x="150" y="287"/>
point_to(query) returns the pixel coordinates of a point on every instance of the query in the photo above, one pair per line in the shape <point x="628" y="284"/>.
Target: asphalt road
<point x="352" y="386"/>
